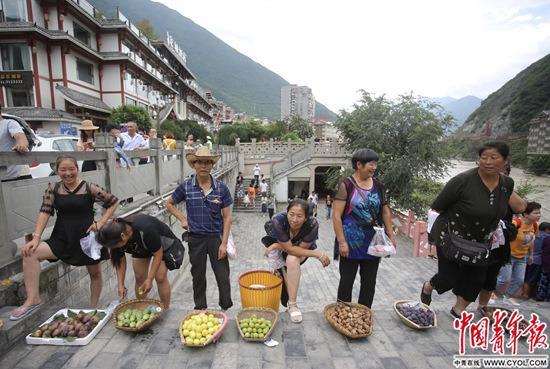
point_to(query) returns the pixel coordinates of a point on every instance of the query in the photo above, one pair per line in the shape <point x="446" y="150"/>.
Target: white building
<point x="63" y="61"/>
<point x="297" y="101"/>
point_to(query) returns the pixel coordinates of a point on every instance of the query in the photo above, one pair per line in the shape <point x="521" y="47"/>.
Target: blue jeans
<point x="513" y="272"/>
<point x="329" y="212"/>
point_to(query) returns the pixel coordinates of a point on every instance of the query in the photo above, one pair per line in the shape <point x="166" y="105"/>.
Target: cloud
<point x="435" y="48"/>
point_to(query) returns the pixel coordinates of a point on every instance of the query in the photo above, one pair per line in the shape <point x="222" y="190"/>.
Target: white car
<point x="50" y="142"/>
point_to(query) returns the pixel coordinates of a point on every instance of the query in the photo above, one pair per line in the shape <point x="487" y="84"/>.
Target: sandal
<point x="23" y="311"/>
<point x="482" y="310"/>
<point x="424" y="297"/>
<point x="455" y="314"/>
<point x="294" y="312"/>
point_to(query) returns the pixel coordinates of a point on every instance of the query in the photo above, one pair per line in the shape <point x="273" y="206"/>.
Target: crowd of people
<point x="478" y="208"/>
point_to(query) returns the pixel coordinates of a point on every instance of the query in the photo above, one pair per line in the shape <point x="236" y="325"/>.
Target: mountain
<point x="239" y="81"/>
<point x="461" y="108"/>
<point x="509" y="110"/>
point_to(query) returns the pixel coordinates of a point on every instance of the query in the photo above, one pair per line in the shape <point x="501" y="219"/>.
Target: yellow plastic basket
<point x="260" y="289"/>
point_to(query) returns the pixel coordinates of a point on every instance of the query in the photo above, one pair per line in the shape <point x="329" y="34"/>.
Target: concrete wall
<point x="280" y="188"/>
<point x="37" y="13"/>
<point x="68" y="25"/>
<point x="72" y="75"/>
<point x="109" y="42"/>
<point x="52" y="23"/>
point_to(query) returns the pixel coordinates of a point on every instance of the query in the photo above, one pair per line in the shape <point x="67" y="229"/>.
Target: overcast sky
<point x="432" y="47"/>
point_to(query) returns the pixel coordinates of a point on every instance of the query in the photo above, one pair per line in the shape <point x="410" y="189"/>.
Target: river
<point x="542" y="183"/>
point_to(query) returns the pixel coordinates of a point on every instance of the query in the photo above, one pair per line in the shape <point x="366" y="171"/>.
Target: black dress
<point x="75" y="214"/>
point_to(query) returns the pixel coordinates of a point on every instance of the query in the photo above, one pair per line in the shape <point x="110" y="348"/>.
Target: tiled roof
<point x="30" y="113"/>
<point x="84" y="100"/>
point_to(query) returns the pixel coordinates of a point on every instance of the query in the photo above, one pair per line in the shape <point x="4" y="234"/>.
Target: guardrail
<point x="20" y="200"/>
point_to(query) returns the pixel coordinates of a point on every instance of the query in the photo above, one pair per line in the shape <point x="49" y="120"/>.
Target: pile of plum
<point x="417" y="314"/>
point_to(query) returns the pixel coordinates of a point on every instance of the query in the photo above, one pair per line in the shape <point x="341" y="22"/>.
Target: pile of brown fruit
<point x="355" y="321"/>
<point x="74" y="325"/>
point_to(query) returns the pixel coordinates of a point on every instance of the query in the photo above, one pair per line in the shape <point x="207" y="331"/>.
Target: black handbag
<point x="467" y="252"/>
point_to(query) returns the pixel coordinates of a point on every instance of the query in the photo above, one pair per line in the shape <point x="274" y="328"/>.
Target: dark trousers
<point x="348" y="271"/>
<point x="270" y="212"/>
<point x="199" y="248"/>
<point x="464" y="280"/>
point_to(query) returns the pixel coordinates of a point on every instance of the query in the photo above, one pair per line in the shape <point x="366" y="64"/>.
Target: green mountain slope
<point x="233" y="77"/>
<point x="509" y="109"/>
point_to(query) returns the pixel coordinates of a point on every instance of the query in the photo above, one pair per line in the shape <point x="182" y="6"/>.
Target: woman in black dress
<point x="144" y="237"/>
<point x="73" y="200"/>
<point x="471" y="205"/>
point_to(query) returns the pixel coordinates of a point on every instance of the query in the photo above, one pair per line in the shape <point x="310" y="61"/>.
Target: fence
<point x="21" y="200"/>
<point x="416" y="230"/>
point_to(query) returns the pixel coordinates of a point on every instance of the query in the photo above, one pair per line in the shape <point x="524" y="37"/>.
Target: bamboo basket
<point x="409" y="322"/>
<point x="215" y="337"/>
<point x="139" y="305"/>
<point x="330" y="307"/>
<point x="265" y="313"/>
<point x="267" y="297"/>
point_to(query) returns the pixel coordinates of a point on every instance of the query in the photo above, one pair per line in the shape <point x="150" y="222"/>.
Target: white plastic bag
<point x="276" y="260"/>
<point x="231" y="250"/>
<point x="90" y="246"/>
<point x="381" y="245"/>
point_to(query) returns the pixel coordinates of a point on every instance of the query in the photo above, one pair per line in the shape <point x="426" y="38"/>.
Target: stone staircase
<point x="238" y="204"/>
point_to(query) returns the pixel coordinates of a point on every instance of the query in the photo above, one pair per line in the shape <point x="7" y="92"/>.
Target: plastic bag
<point x="90" y="246"/>
<point x="381" y="245"/>
<point x="231" y="250"/>
<point x="276" y="260"/>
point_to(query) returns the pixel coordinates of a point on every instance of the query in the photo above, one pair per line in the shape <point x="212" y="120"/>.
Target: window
<point x="85" y="71"/>
<point x="81" y="34"/>
<point x="19" y="97"/>
<point x="64" y="144"/>
<point x="13" y="11"/>
<point x="15" y="56"/>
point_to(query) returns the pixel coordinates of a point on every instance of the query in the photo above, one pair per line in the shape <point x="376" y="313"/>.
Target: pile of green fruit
<point x="73" y="325"/>
<point x="134" y="318"/>
<point x="254" y="327"/>
<point x="199" y="328"/>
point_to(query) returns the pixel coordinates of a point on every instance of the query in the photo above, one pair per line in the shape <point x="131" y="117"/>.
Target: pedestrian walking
<point x="72" y="200"/>
<point x="263" y="188"/>
<point x="208" y="201"/>
<point x="168" y="141"/>
<point x="470" y="207"/>
<point x="154" y="249"/>
<point x="257" y="172"/>
<point x="543" y="288"/>
<point x="293" y="233"/>
<point x="270" y="207"/>
<point x="360" y="205"/>
<point x="251" y="191"/>
<point x="328" y="202"/>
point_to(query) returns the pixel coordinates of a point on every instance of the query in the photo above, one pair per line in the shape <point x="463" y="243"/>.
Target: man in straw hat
<point x="207" y="200"/>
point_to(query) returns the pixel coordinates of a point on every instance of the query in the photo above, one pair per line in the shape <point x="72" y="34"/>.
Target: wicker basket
<point x="139" y="305"/>
<point x="269" y="296"/>
<point x="330" y="307"/>
<point x="409" y="322"/>
<point x="265" y="313"/>
<point x="492" y="308"/>
<point x="215" y="337"/>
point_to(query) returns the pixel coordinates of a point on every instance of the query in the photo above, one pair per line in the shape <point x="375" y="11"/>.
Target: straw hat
<point x="202" y="153"/>
<point x="87" y="125"/>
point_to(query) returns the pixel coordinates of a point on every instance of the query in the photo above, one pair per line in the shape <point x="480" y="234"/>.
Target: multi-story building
<point x="221" y="113"/>
<point x="297" y="101"/>
<point x="63" y="61"/>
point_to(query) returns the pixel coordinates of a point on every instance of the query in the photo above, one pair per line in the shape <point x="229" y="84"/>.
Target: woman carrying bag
<point x="360" y="205"/>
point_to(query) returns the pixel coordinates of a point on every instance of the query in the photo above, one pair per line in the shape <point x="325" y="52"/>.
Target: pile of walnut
<point x="353" y="320"/>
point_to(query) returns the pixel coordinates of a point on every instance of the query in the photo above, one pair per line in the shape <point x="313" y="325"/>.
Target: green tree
<point x="194" y="128"/>
<point x="292" y="136"/>
<point x="299" y="126"/>
<point x="406" y="133"/>
<point x="132" y="113"/>
<point x="276" y="130"/>
<point x="171" y="126"/>
<point x="147" y="29"/>
<point x="539" y="164"/>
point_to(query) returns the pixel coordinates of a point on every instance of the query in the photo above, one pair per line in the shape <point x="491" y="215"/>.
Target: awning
<point x="33" y="114"/>
<point x="83" y="100"/>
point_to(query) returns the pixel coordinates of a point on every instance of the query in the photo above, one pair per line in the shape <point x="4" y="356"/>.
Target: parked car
<point x="52" y="142"/>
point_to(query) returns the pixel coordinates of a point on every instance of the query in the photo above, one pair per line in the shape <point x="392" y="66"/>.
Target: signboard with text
<point x="17" y="78"/>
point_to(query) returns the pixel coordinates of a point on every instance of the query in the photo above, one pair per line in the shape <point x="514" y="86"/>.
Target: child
<point x="264" y="206"/>
<point x="246" y="200"/>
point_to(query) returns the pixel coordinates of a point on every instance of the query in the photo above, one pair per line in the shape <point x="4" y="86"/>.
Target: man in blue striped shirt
<point x="207" y="201"/>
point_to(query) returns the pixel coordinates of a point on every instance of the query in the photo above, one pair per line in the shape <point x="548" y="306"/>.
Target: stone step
<point x="13" y="331"/>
